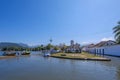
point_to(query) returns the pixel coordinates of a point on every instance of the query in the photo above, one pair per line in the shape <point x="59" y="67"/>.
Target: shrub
<point x="63" y="54"/>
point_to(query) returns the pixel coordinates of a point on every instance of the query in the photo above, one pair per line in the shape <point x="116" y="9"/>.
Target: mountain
<point x="23" y="45"/>
<point x="9" y="44"/>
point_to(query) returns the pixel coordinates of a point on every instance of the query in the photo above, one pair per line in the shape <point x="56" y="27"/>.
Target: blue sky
<point x="36" y="21"/>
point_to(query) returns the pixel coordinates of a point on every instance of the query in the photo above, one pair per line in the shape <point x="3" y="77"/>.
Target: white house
<point x="86" y="48"/>
<point x="105" y="47"/>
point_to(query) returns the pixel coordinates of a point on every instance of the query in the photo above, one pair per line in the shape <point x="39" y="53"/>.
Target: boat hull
<point x="46" y="55"/>
<point x="25" y="54"/>
<point x="9" y="54"/>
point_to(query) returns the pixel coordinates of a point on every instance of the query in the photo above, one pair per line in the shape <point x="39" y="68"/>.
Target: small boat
<point x="9" y="54"/>
<point x="25" y="53"/>
<point x="46" y="55"/>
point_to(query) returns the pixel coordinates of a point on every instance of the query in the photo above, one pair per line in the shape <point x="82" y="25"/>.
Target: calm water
<point x="37" y="67"/>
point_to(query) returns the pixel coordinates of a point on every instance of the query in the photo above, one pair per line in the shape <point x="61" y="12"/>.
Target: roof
<point x="102" y="43"/>
<point x="89" y="46"/>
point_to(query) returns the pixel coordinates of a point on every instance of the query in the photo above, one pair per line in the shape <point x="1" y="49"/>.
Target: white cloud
<point x="88" y="42"/>
<point x="94" y="42"/>
<point x="85" y="42"/>
<point x="107" y="38"/>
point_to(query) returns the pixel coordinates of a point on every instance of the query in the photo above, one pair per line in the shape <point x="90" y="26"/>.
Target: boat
<point x="9" y="54"/>
<point x="46" y="55"/>
<point x="25" y="53"/>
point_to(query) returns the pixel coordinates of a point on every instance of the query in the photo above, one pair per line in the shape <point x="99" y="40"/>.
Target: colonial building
<point x="104" y="48"/>
<point x="94" y="47"/>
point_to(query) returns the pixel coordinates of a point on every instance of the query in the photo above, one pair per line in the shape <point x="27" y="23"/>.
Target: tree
<point x="116" y="30"/>
<point x="63" y="47"/>
<point x="49" y="46"/>
<point x="4" y="49"/>
<point x="56" y="48"/>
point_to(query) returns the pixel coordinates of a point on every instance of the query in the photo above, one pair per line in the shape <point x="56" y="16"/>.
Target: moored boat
<point x="46" y="55"/>
<point x="9" y="54"/>
<point x="25" y="53"/>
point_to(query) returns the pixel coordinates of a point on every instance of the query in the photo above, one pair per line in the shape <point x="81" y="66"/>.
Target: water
<point x="37" y="67"/>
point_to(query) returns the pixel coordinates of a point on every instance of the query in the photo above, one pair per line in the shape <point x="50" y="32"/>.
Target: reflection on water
<point x="118" y="73"/>
<point x="37" y="67"/>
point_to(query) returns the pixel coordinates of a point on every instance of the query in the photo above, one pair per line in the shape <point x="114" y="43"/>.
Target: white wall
<point x="113" y="50"/>
<point x="110" y="50"/>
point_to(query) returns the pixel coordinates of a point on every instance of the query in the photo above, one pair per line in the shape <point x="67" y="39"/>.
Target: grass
<point x="82" y="55"/>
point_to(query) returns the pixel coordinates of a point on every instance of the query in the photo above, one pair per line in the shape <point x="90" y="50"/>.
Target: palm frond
<point x="118" y="39"/>
<point x="117" y="34"/>
<point x="116" y="29"/>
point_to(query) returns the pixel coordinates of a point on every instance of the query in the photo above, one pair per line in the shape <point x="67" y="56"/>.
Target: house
<point x="98" y="48"/>
<point x="86" y="48"/>
<point x="105" y="43"/>
<point x="105" y="48"/>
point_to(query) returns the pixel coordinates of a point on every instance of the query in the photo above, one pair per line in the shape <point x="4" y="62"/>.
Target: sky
<point x="35" y="22"/>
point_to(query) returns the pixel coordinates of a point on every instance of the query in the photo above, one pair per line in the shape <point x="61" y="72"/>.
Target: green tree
<point x="4" y="49"/>
<point x="116" y="30"/>
<point x="56" y="48"/>
<point x="49" y="46"/>
<point x="42" y="47"/>
<point x="63" y="48"/>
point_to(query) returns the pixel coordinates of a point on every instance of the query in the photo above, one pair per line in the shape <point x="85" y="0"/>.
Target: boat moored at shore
<point x="46" y="55"/>
<point x="9" y="53"/>
<point x="25" y="53"/>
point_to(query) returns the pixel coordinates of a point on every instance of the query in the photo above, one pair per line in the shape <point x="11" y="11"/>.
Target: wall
<point x="108" y="50"/>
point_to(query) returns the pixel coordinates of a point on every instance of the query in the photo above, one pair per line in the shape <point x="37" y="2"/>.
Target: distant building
<point x="87" y="47"/>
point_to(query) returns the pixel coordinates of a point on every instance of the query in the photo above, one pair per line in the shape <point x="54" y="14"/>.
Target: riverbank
<point x="80" y="56"/>
<point x="6" y="57"/>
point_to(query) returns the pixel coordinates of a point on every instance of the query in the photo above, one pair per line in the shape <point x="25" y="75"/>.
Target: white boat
<point x="46" y="55"/>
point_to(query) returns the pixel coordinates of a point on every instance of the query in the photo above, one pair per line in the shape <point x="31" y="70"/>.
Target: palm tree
<point x="117" y="32"/>
<point x="51" y="40"/>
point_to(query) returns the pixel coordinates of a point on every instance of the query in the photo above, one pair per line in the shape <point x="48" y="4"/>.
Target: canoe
<point x="25" y="53"/>
<point x="9" y="54"/>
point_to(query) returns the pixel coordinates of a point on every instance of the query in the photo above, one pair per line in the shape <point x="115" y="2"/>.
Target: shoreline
<point x="91" y="59"/>
<point x="81" y="56"/>
<point x="6" y="57"/>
